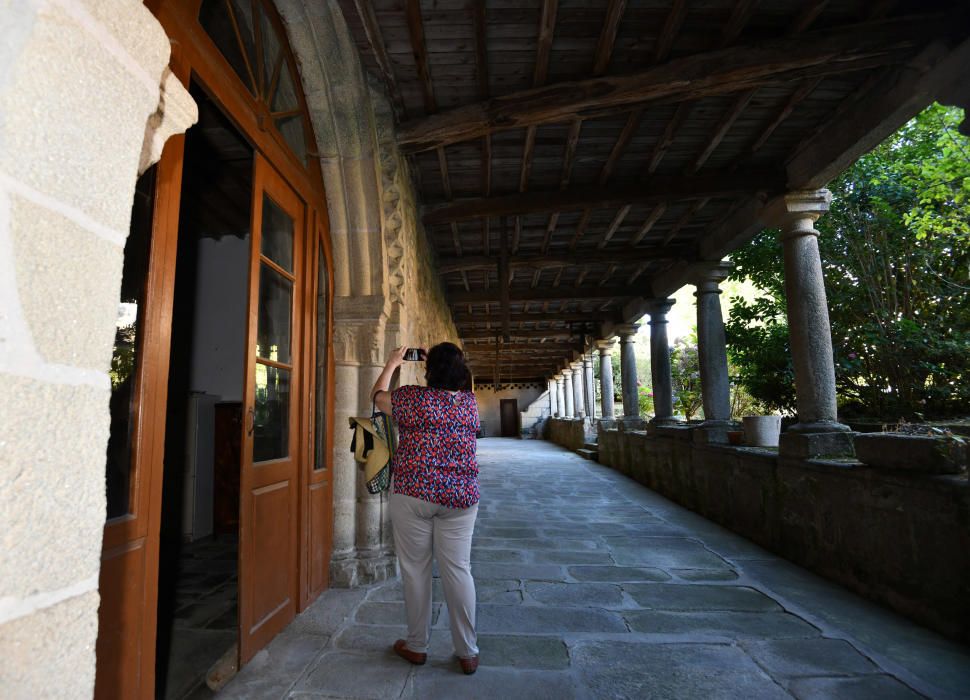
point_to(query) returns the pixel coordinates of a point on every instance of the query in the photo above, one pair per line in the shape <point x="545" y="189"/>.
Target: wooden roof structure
<point x="574" y="157"/>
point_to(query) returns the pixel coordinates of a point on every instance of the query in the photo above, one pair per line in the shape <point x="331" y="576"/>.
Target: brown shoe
<point x="469" y="665"/>
<point x="401" y="649"/>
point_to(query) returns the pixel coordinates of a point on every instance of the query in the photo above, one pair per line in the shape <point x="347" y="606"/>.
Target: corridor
<point x="591" y="586"/>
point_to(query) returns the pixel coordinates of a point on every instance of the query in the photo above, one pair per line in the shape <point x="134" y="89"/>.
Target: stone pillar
<point x="567" y="374"/>
<point x="561" y="394"/>
<point x="712" y="351"/>
<point x="588" y="385"/>
<point x="605" y="348"/>
<point x="808" y="326"/>
<point x="579" y="401"/>
<point x="553" y="404"/>
<point x="663" y="398"/>
<point x="628" y="371"/>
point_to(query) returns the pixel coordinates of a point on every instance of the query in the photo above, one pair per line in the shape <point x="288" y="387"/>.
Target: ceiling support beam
<point x="540" y="262"/>
<point x="719" y="72"/>
<point x="650" y="190"/>
<point x="543" y="294"/>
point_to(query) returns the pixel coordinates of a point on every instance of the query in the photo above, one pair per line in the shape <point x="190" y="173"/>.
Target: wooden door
<point x="509" y="410"/>
<point x="317" y="496"/>
<point x="269" y="480"/>
<point x="128" y="581"/>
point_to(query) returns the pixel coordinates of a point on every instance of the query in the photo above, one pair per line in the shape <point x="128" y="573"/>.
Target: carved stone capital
<point x="605" y="347"/>
<point x="658" y="309"/>
<point x="707" y="277"/>
<point x="795" y="213"/>
<point x="627" y="331"/>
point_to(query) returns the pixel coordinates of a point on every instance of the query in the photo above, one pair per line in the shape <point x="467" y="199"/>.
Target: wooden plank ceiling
<point x="568" y="152"/>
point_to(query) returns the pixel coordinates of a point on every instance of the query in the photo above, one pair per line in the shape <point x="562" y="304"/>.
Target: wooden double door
<point x="285" y="503"/>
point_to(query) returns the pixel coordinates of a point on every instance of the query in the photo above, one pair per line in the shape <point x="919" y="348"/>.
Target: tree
<point x="896" y="259"/>
<point x="685" y="372"/>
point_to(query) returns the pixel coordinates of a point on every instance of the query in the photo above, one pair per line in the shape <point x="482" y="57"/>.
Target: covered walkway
<point x="592" y="586"/>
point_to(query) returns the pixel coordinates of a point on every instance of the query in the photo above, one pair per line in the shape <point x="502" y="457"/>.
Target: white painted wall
<point x="489" y="403"/>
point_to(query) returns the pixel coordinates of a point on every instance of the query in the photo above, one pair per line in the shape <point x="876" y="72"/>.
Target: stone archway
<point x="386" y="292"/>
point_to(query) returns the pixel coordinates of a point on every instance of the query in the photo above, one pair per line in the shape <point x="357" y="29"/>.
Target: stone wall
<point x="570" y="433"/>
<point x="82" y="112"/>
<point x="900" y="539"/>
<point x="386" y="291"/>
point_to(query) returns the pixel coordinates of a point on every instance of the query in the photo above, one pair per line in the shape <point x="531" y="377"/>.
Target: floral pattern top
<point x="435" y="457"/>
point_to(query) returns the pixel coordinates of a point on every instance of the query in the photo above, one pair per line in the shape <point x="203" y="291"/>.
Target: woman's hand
<point x="397" y="358"/>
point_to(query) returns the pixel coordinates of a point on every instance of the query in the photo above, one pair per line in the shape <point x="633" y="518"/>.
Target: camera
<point x="414" y="354"/>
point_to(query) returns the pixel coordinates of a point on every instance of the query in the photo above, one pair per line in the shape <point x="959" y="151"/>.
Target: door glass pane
<point x="232" y="33"/>
<point x="271" y="429"/>
<point x="277" y="243"/>
<point x="273" y="328"/>
<point x="126" y="354"/>
<point x="271" y="51"/>
<point x="320" y="410"/>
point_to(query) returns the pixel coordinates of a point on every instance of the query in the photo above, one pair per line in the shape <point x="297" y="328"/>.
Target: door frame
<point x="501" y="417"/>
<point x="195" y="56"/>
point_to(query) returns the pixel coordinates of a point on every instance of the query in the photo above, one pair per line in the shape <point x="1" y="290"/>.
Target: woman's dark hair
<point x="445" y="368"/>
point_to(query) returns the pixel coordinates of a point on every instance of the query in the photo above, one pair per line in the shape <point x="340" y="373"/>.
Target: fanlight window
<point x="249" y="40"/>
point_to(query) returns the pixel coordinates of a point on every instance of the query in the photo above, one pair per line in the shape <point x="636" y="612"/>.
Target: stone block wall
<point x="900" y="539"/>
<point x="567" y="432"/>
<point x="80" y="116"/>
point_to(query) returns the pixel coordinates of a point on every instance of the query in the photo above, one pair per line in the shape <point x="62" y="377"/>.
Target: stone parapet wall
<point x="902" y="540"/>
<point x="567" y="432"/>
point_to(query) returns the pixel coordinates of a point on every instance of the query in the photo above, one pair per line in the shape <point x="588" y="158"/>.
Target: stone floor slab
<point x="668" y="671"/>
<point x="511" y="651"/>
<point x="665" y="553"/>
<point x="493" y="683"/>
<point x="368" y="676"/>
<point x="726" y="625"/>
<point x="617" y="574"/>
<point x="661" y="596"/>
<point x="522" y="619"/>
<point x="865" y="688"/>
<point x="582" y="595"/>
<point x="791" y="658"/>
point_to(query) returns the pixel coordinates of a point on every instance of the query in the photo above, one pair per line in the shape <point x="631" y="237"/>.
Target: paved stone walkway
<point x="592" y="586"/>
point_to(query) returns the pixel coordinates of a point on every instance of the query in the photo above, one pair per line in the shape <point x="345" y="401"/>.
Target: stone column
<point x="663" y="399"/>
<point x="579" y="401"/>
<point x="553" y="404"/>
<point x="588" y="385"/>
<point x="808" y="326"/>
<point x="567" y="374"/>
<point x="605" y="348"/>
<point x="628" y="370"/>
<point x="712" y="352"/>
<point x="561" y="394"/>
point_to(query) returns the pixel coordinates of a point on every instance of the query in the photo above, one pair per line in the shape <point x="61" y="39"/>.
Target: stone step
<point x="591" y="445"/>
<point x="588" y="454"/>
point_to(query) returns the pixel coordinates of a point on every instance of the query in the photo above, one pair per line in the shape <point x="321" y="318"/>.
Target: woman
<point x="434" y="498"/>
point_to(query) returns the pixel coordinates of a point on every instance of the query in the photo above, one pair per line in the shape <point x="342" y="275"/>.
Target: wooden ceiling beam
<point x="650" y="190"/>
<point x="547" y="26"/>
<point x="808" y="14"/>
<point x="548" y="333"/>
<point x="652" y="218"/>
<point x="541" y="262"/>
<point x="737" y="22"/>
<point x="611" y="25"/>
<point x="614" y="225"/>
<point x="720" y="131"/>
<point x="547" y="294"/>
<point x="675" y="20"/>
<point x="719" y="72"/>
<point x="463" y="318"/>
<point x="523" y="348"/>
<point x="372" y="30"/>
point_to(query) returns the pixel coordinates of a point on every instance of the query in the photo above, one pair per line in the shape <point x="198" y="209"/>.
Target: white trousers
<point x="420" y="530"/>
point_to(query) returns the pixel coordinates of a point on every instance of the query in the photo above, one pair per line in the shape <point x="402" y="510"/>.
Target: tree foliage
<point x="895" y="248"/>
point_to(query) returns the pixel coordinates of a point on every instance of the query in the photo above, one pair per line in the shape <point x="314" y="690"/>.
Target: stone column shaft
<point x="561" y="395"/>
<point x="605" y="348"/>
<point x="553" y="404"/>
<point x="807" y="306"/>
<point x="711" y="344"/>
<point x="588" y="385"/>
<point x="663" y="389"/>
<point x="628" y="371"/>
<point x="579" y="401"/>
<point x="568" y="391"/>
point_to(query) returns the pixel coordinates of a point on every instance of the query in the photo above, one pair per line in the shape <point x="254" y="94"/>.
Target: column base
<point x="822" y="426"/>
<point x="631" y="423"/>
<point x="359" y="569"/>
<point x="712" y="432"/>
<point x="797" y="444"/>
<point x="664" y="420"/>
